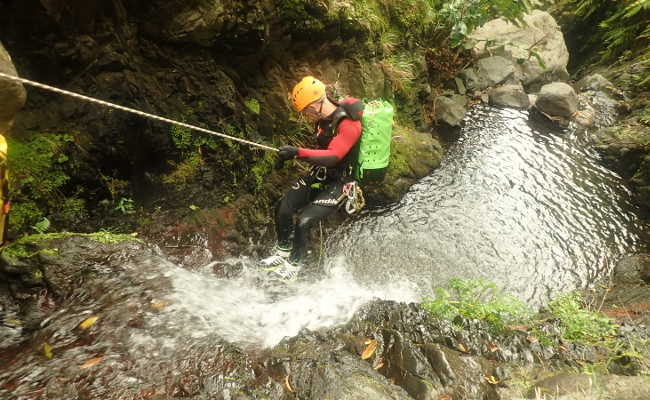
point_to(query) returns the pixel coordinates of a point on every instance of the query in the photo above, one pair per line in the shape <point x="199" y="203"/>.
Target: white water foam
<point x="240" y="310"/>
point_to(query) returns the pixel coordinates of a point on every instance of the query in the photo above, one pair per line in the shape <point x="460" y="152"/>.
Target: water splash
<point x="250" y="311"/>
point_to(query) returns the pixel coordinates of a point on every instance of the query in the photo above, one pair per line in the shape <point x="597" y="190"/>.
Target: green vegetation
<point x="185" y="171"/>
<point x="39" y="170"/>
<point x="262" y="168"/>
<point x="476" y="299"/>
<point x="25" y="246"/>
<point x="253" y="105"/>
<point x="125" y="205"/>
<point x="580" y="324"/>
<point x="462" y="17"/>
<point x="189" y="142"/>
<point x="623" y="27"/>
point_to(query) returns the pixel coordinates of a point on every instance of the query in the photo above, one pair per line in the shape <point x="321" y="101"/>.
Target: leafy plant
<point x="186" y="140"/>
<point x="184" y="171"/>
<point x="578" y="323"/>
<point x="623" y="31"/>
<point x="39" y="171"/>
<point x="253" y="105"/>
<point x="42" y="226"/>
<point x="125" y="205"/>
<point x="462" y="17"/>
<point x="476" y="299"/>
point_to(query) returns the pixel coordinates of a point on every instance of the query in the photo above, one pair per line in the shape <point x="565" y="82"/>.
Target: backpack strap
<point x="353" y="111"/>
<point x="338" y="116"/>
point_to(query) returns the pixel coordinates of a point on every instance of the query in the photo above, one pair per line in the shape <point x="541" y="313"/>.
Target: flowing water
<point x="525" y="207"/>
<point x="528" y="208"/>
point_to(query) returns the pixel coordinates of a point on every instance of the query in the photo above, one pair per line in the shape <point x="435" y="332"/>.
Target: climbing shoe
<point x="285" y="271"/>
<point x="281" y="265"/>
<point x="278" y="258"/>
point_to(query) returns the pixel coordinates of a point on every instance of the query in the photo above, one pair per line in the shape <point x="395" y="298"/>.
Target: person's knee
<point x="304" y="222"/>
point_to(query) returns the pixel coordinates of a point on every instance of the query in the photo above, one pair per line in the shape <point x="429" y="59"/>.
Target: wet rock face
<point x="451" y="110"/>
<point x="541" y="33"/>
<point x="402" y="345"/>
<point x="413" y="155"/>
<point x="103" y="328"/>
<point x="557" y="99"/>
<point x="509" y="95"/>
<point x="12" y="94"/>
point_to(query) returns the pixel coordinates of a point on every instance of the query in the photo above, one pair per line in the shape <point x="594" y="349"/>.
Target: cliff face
<point x="223" y="65"/>
<point x="12" y="95"/>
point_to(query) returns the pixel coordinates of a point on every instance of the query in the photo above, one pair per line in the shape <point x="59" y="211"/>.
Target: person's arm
<point x="348" y="134"/>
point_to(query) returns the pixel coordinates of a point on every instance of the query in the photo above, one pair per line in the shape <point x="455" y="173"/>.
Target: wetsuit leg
<point x="324" y="204"/>
<point x="296" y="198"/>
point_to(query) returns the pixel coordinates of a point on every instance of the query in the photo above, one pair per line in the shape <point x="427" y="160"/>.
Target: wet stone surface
<point x="105" y="329"/>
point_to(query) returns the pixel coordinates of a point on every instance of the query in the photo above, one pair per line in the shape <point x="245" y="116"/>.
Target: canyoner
<point x="353" y="148"/>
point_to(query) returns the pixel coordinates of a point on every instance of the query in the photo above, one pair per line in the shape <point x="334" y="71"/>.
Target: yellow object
<point x="307" y="91"/>
<point x="4" y="191"/>
<point x="3" y="147"/>
<point x="369" y="350"/>
<point x="88" y="322"/>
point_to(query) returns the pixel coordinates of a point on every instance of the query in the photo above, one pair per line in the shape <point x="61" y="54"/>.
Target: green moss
<point x="187" y="140"/>
<point x="262" y="168"/>
<point x="111" y="238"/>
<point x="185" y="171"/>
<point x="27" y="246"/>
<point x="39" y="172"/>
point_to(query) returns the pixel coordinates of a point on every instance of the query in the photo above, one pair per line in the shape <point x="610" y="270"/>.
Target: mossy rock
<point x="55" y="260"/>
<point x="413" y="156"/>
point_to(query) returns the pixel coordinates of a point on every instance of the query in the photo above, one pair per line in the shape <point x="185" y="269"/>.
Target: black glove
<point x="288" y="153"/>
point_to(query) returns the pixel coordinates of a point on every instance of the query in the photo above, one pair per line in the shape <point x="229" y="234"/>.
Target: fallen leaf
<point x="159" y="304"/>
<point x="370" y="349"/>
<point x="491" y="380"/>
<point x="47" y="349"/>
<point x="91" y="362"/>
<point x="287" y="384"/>
<point x="462" y="348"/>
<point x="378" y="363"/>
<point x="522" y="328"/>
<point x="563" y="348"/>
<point x="532" y="339"/>
<point x="445" y="397"/>
<point x="88" y="322"/>
<point x="493" y="347"/>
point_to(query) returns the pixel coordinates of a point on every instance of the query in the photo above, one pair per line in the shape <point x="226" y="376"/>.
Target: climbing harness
<point x="131" y="110"/>
<point x="354" y="194"/>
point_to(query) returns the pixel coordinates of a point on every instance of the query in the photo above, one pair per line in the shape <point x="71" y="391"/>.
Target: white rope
<point x="131" y="110"/>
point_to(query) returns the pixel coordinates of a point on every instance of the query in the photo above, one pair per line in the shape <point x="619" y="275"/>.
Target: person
<point x="321" y="191"/>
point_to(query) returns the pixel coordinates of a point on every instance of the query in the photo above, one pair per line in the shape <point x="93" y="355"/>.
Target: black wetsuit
<point x="319" y="193"/>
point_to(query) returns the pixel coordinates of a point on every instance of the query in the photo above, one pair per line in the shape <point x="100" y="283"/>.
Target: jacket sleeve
<point x="348" y="134"/>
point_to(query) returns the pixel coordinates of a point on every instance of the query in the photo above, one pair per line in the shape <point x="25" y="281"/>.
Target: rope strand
<point x="131" y="110"/>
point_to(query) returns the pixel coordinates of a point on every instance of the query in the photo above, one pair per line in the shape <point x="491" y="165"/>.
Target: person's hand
<point x="287" y="153"/>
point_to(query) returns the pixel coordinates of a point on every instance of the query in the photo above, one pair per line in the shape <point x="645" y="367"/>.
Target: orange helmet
<point x="307" y="91"/>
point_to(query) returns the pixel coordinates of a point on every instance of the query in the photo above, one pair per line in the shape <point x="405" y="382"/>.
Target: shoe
<point x="286" y="271"/>
<point x="280" y="257"/>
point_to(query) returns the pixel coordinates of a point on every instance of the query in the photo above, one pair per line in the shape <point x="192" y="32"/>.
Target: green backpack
<point x="374" y="147"/>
